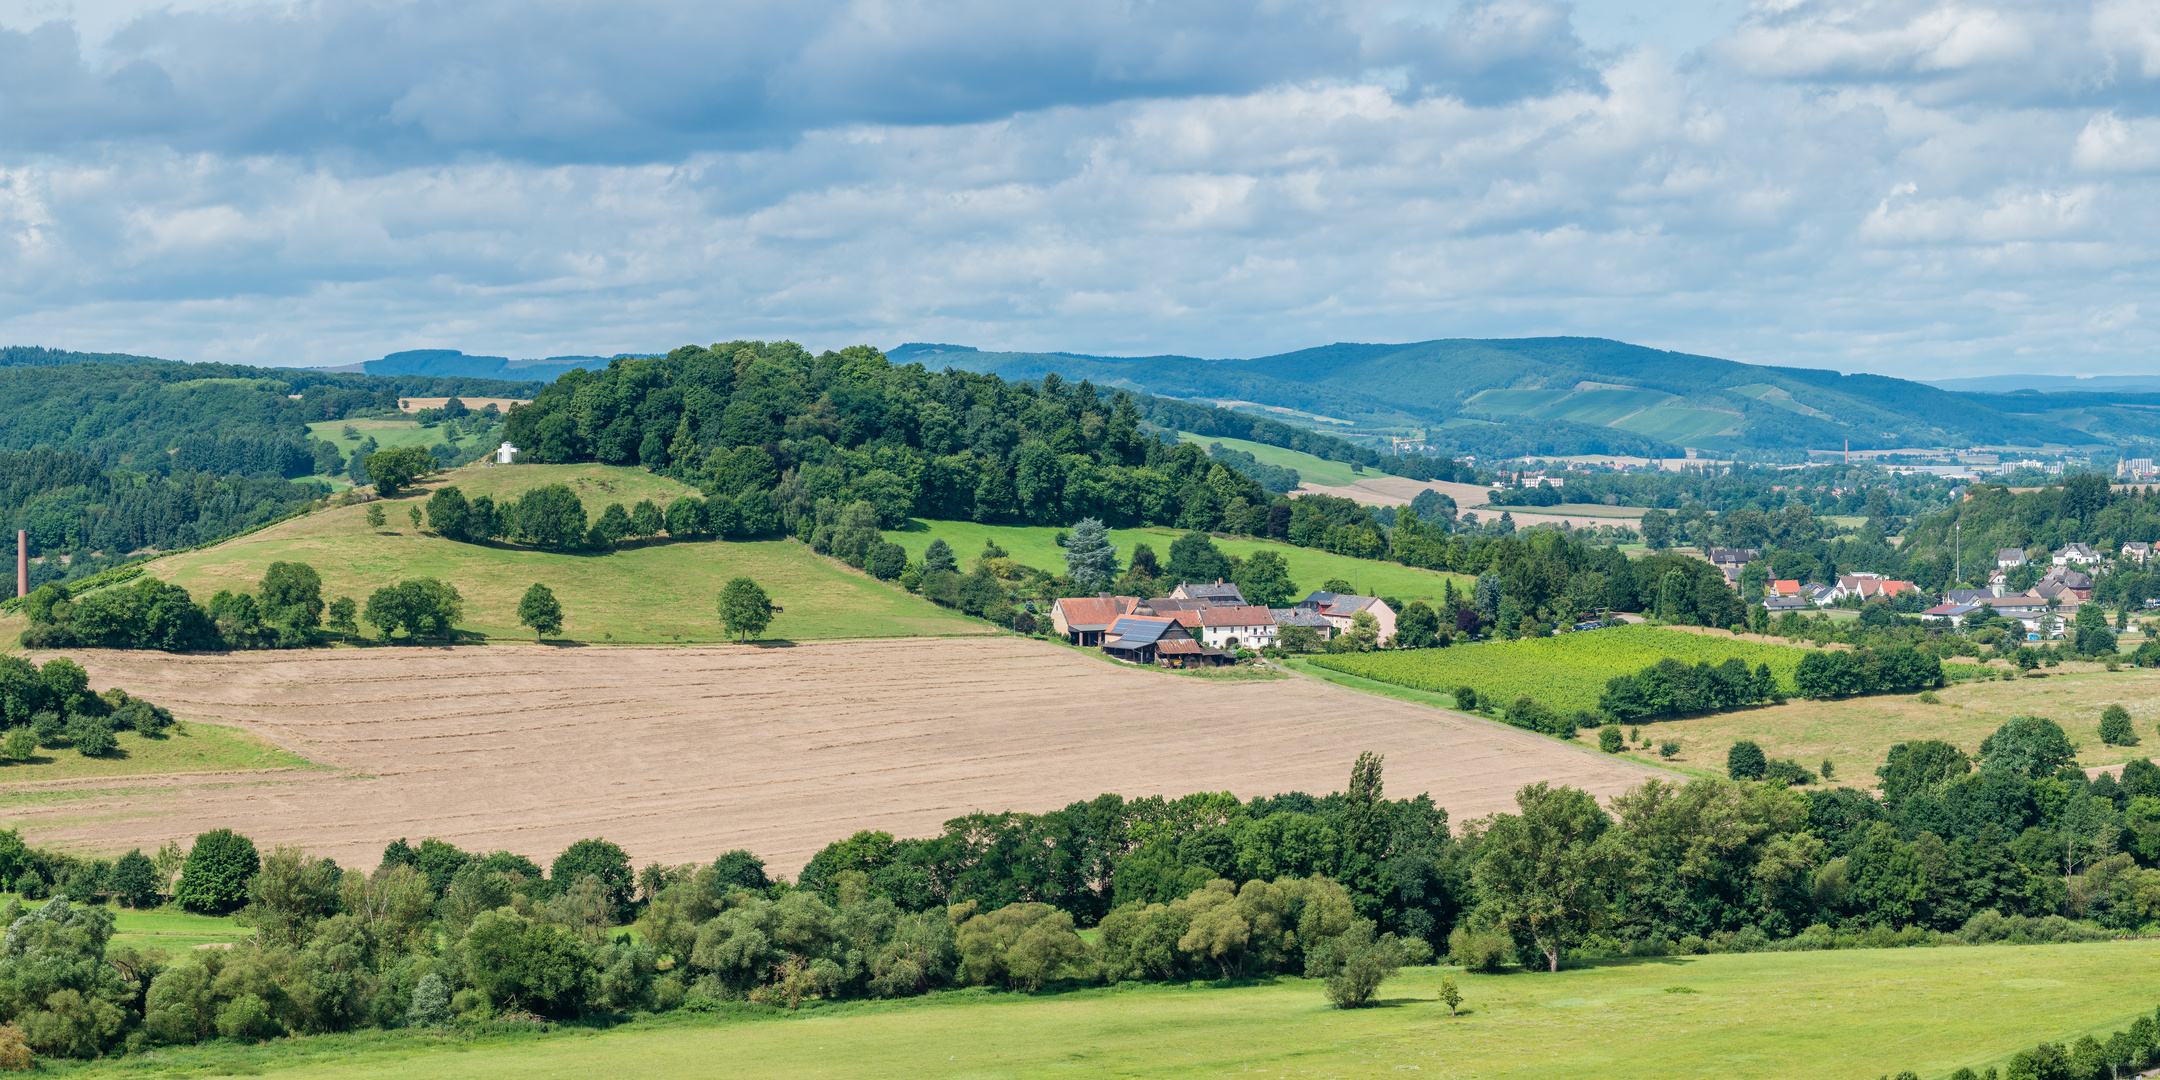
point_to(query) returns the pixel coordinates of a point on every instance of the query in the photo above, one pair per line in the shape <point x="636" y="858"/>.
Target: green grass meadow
<point x="1311" y="469"/>
<point x="659" y="591"/>
<point x="200" y="748"/>
<point x="1775" y="1016"/>
<point x="1566" y="671"/>
<point x="1037" y="546"/>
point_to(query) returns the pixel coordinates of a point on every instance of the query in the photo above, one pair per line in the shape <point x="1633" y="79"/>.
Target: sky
<point x="1923" y="188"/>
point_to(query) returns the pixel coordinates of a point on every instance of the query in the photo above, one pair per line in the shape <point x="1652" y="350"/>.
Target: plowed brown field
<point x="680" y="753"/>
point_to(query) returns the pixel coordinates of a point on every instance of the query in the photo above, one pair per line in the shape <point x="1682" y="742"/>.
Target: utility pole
<point x="1957" y="529"/>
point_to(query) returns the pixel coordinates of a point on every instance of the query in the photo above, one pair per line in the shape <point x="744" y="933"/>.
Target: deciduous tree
<point x="539" y="611"/>
<point x="745" y="610"/>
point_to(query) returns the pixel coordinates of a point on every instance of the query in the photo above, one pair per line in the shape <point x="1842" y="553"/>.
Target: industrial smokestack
<point x="22" y="562"/>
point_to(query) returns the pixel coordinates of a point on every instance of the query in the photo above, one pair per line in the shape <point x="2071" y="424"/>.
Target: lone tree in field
<point x="540" y="611"/>
<point x="2115" y="729"/>
<point x="745" y="610"/>
<point x="1541" y="871"/>
<point x="1745" y="761"/>
<point x="1090" y="557"/>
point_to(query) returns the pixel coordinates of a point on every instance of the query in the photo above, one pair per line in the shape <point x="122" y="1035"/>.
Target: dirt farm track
<point x="680" y="753"/>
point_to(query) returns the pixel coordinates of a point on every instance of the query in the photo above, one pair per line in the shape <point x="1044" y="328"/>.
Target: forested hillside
<point x="1561" y="396"/>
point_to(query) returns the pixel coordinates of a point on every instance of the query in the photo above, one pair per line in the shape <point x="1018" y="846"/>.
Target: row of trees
<point x="53" y="706"/>
<point x="287" y="611"/>
<point x="1341" y="886"/>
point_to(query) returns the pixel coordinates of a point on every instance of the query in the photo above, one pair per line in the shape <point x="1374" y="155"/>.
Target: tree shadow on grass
<point x="773" y="643"/>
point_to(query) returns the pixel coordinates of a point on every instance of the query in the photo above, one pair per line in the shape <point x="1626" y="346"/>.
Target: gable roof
<point x="1095" y="612"/>
<point x="1291" y="616"/>
<point x="1236" y="615"/>
<point x="1218" y="590"/>
<point x="1786" y="586"/>
<point x="1134" y="631"/>
<point x="2010" y="554"/>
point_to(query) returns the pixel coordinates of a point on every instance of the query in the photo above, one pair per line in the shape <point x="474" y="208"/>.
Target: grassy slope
<point x="388" y="434"/>
<point x="203" y="748"/>
<point x="1034" y="546"/>
<point x="1805" y="1016"/>
<point x="1312" y="470"/>
<point x="1565" y="671"/>
<point x="660" y="592"/>
<point x="1856" y="734"/>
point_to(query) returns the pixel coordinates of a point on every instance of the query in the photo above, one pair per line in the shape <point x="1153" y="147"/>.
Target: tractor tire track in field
<point x="679" y="753"/>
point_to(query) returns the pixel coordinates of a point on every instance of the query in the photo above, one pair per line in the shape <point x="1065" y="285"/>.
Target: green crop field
<point x="1566" y="671"/>
<point x="1036" y="546"/>
<point x="659" y="591"/>
<point x="1510" y="402"/>
<point x="1678" y="424"/>
<point x="1599" y="407"/>
<point x="200" y="748"/>
<point x="1762" y="1016"/>
<point x="1310" y="469"/>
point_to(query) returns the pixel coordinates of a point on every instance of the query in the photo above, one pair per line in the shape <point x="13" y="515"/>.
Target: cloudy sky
<point x="1926" y="188"/>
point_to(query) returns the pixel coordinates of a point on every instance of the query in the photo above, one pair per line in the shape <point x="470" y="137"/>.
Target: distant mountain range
<point x="451" y="362"/>
<point x="1592" y="395"/>
<point x="1513" y="396"/>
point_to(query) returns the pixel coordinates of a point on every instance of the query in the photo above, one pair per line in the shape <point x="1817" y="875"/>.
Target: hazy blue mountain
<point x="2048" y="384"/>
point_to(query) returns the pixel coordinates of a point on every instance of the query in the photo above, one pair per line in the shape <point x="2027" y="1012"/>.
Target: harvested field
<point x="681" y="753"/>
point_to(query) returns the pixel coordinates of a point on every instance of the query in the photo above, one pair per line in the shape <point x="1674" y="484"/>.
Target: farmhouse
<point x="1242" y="627"/>
<point x="1297" y="616"/>
<point x="1084" y="619"/>
<point x="1220" y="592"/>
<point x="1144" y="639"/>
<point x="1339" y="608"/>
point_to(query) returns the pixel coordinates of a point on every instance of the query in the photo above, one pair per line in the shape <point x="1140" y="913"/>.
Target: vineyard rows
<point x="1566" y="672"/>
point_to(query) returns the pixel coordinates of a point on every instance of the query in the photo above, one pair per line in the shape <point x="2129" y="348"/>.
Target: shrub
<point x="2115" y="729"/>
<point x="1466" y="698"/>
<point x="1745" y="761"/>
<point x="93" y="736"/>
<point x="15" y="1055"/>
<point x="1668" y="749"/>
<point x="1787" y="772"/>
<point x="1484" y="951"/>
<point x="1927" y="697"/>
<point x="1608" y="738"/>
<point x="20" y="744"/>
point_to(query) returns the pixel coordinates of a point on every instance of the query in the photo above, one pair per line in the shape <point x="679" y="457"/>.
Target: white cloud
<point x="1830" y="185"/>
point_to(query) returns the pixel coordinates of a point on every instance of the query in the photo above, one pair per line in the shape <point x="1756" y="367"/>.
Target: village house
<point x="2010" y="558"/>
<point x="1868" y="587"/>
<point x="1340" y="608"/>
<point x="1297" y="616"/>
<point x="1084" y="619"/>
<point x="1143" y="639"/>
<point x="1786" y="588"/>
<point x="1245" y="626"/>
<point x="2137" y="551"/>
<point x="1778" y="605"/>
<point x="1220" y="592"/>
<point x="2081" y="554"/>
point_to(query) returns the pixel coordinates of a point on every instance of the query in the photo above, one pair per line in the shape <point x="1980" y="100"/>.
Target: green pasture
<point x="167" y="927"/>
<point x="1598" y="407"/>
<point x="1036" y="546"/>
<point x="650" y="591"/>
<point x="1565" y="671"/>
<point x="1511" y="402"/>
<point x="1311" y="469"/>
<point x="1762" y="1016"/>
<point x="200" y="748"/>
<point x="391" y="434"/>
<point x="1678" y="424"/>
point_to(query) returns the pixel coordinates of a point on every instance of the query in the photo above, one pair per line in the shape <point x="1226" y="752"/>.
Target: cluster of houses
<point x="1202" y="625"/>
<point x="2045" y="609"/>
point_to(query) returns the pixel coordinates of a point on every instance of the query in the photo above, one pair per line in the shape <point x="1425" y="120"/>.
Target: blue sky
<point x="1924" y="188"/>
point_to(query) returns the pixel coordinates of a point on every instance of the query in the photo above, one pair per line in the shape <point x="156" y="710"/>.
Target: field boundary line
<point x="1494" y="724"/>
<point x="129" y="778"/>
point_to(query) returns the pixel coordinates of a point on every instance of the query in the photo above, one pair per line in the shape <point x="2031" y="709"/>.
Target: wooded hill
<point x="1567" y="395"/>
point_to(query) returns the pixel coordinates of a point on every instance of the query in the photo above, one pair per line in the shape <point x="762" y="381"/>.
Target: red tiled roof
<point x="1235" y="616"/>
<point x="1095" y="610"/>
